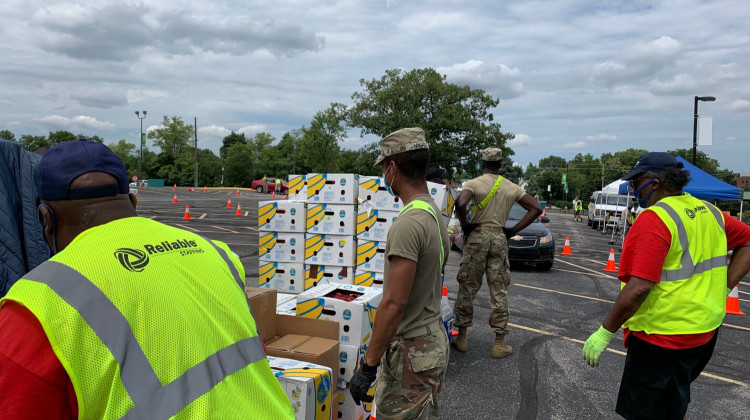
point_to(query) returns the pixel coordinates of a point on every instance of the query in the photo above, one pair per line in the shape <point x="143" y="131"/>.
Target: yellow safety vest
<point x="423" y="205"/>
<point x="151" y="321"/>
<point x="691" y="296"/>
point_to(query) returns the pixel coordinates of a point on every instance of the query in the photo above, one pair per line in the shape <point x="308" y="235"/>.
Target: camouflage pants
<point x="412" y="373"/>
<point x="485" y="252"/>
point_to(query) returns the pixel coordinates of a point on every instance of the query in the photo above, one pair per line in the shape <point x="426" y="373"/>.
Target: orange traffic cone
<point x="544" y="212"/>
<point x="374" y="409"/>
<point x="273" y="194"/>
<point x="733" y="302"/>
<point x="175" y="187"/>
<point x="611" y="262"/>
<point x="229" y="202"/>
<point x="204" y="189"/>
<point x="239" y="210"/>
<point x="286" y="197"/>
<point x="238" y="192"/>
<point x="187" y="213"/>
<point x="174" y="200"/>
<point x="566" y="248"/>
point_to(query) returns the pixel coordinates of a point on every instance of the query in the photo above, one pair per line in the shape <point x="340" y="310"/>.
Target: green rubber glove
<point x="595" y="345"/>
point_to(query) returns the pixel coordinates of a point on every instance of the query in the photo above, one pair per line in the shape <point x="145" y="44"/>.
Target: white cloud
<point x="681" y="84"/>
<point x="574" y="145"/>
<point x="731" y="138"/>
<point x="252" y="129"/>
<point x="739" y="105"/>
<point x="151" y="128"/>
<point x="641" y="60"/>
<point x="99" y="97"/>
<point x="214" y="130"/>
<point x="602" y="137"/>
<point x="81" y="122"/>
<point x="519" y="140"/>
<point x="144" y="95"/>
<point x="500" y="80"/>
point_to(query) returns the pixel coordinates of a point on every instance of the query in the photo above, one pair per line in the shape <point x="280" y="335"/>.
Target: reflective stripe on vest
<point x="480" y="206"/>
<point x="150" y="399"/>
<point x="423" y="205"/>
<point x="688" y="267"/>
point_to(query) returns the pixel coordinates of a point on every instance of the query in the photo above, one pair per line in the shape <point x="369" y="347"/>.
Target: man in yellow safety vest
<point x="675" y="282"/>
<point x="129" y="318"/>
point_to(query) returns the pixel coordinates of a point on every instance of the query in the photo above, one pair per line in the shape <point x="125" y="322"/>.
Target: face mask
<point x="41" y="222"/>
<point x="643" y="202"/>
<point x="389" y="187"/>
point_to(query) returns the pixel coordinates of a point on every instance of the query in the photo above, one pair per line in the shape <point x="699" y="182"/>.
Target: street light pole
<point x="140" y="165"/>
<point x="695" y="120"/>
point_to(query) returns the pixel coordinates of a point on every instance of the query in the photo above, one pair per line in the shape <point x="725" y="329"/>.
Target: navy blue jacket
<point x="22" y="245"/>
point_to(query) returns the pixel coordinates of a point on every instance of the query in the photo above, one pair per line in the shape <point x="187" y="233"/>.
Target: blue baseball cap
<point x="653" y="162"/>
<point x="65" y="162"/>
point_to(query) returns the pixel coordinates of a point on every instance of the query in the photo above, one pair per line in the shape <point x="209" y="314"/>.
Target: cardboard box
<point x="305" y="348"/>
<point x="373" y="225"/>
<point x="371" y="191"/>
<point x="281" y="216"/>
<point x="263" y="306"/>
<point x="332" y="188"/>
<point x="331" y="219"/>
<point x="330" y="250"/>
<point x="444" y="197"/>
<point x="281" y="247"/>
<point x="327" y="274"/>
<point x="371" y="256"/>
<point x="355" y="317"/>
<point x="348" y="358"/>
<point x="368" y="278"/>
<point x="298" y="188"/>
<point x="348" y="409"/>
<point x="307" y="385"/>
<point x="283" y="277"/>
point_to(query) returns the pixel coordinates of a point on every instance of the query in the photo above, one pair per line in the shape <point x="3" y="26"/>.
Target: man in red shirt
<point x="673" y="265"/>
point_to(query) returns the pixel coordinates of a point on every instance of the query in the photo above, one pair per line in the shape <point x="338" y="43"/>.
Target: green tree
<point x="7" y="135"/>
<point x="584" y="175"/>
<point x="209" y="168"/>
<point x="129" y="155"/>
<point x="238" y="166"/>
<point x="456" y="119"/>
<point x="61" y="136"/>
<point x="619" y="164"/>
<point x="32" y="143"/>
<point x="318" y="147"/>
<point x="173" y="137"/>
<point x="229" y="140"/>
<point x="359" y="161"/>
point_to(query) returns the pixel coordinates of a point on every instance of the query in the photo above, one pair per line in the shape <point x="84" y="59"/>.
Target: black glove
<point x="509" y="233"/>
<point x="468" y="229"/>
<point x="362" y="381"/>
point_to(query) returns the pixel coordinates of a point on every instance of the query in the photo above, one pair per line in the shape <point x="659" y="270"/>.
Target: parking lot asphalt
<point x="551" y="314"/>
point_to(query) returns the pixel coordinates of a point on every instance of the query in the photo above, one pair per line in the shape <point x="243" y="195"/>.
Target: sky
<point x="572" y="76"/>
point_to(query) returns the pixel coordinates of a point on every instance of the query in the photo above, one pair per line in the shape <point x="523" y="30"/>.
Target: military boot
<point x="459" y="341"/>
<point x="500" y="349"/>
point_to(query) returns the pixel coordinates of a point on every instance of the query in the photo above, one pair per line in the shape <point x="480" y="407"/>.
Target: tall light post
<point x="140" y="165"/>
<point x="695" y="120"/>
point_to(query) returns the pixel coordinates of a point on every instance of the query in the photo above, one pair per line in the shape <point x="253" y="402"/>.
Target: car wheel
<point x="286" y="191"/>
<point x="595" y="225"/>
<point x="544" y="265"/>
<point x="589" y="221"/>
<point x="259" y="189"/>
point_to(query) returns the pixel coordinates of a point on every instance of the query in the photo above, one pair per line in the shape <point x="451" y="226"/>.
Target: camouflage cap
<point x="403" y="140"/>
<point x="491" y="154"/>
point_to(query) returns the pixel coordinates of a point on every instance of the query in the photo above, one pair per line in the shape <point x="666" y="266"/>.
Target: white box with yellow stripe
<point x="349" y="357"/>
<point x="307" y="385"/>
<point x="298" y="187"/>
<point x="373" y="225"/>
<point x="444" y="197"/>
<point x="332" y="188"/>
<point x="281" y="247"/>
<point x="330" y="250"/>
<point x="371" y="256"/>
<point x="355" y="316"/>
<point x="372" y="191"/>
<point x="327" y="274"/>
<point x="281" y="216"/>
<point x="331" y="219"/>
<point x="368" y="278"/>
<point x="348" y="409"/>
<point x="284" y="277"/>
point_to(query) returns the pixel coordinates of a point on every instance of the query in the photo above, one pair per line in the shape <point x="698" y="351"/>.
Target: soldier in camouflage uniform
<point x="409" y="342"/>
<point x="486" y="248"/>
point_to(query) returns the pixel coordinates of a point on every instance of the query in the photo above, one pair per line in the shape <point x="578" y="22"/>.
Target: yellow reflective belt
<point x="423" y="205"/>
<point x="480" y="206"/>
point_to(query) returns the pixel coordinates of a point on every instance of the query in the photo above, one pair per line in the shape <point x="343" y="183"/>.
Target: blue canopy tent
<point x="705" y="186"/>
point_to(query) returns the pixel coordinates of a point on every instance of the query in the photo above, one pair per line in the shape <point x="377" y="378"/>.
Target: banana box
<point x="348" y="409"/>
<point x="373" y="225"/>
<point x="281" y="216"/>
<point x="371" y="190"/>
<point x="288" y="307"/>
<point x="368" y="278"/>
<point x="353" y="307"/>
<point x="298" y="187"/>
<point x="284" y="277"/>
<point x="331" y="219"/>
<point x="348" y="363"/>
<point x="307" y="385"/>
<point x="281" y="247"/>
<point x="284" y="297"/>
<point x="371" y="256"/>
<point x="332" y="188"/>
<point x="327" y="274"/>
<point x="444" y="197"/>
<point x="330" y="250"/>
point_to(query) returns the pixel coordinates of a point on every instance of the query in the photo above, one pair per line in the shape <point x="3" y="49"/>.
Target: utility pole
<point x="602" y="175"/>
<point x="143" y="140"/>
<point x="195" y="131"/>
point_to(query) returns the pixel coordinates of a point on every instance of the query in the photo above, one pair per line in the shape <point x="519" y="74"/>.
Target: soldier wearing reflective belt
<point x="675" y="282"/>
<point x="129" y="318"/>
